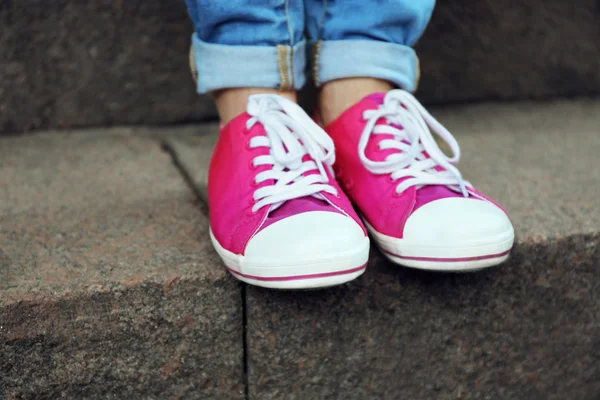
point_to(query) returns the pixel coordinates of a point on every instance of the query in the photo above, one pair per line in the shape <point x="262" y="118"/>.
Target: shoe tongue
<point x="379" y="99"/>
<point x="430" y="193"/>
<point x="298" y="206"/>
<point x="376" y="97"/>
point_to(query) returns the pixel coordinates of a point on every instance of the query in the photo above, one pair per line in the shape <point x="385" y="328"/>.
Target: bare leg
<point x="232" y="102"/>
<point x="338" y="95"/>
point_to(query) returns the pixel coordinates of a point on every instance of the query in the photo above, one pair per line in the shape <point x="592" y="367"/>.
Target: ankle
<point x="337" y="96"/>
<point x="232" y="102"/>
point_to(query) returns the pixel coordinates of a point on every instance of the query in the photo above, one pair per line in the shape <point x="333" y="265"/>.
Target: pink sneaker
<point x="277" y="216"/>
<point x="412" y="198"/>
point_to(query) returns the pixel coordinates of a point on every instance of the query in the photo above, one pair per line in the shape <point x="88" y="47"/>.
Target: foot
<point x="412" y="198"/>
<point x="277" y="216"/>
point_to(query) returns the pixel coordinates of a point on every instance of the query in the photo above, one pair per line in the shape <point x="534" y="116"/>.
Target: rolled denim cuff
<point x="217" y="66"/>
<point x="337" y="59"/>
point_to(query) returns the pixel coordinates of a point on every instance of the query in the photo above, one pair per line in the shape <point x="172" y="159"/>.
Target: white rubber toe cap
<point x="306" y="237"/>
<point x="456" y="222"/>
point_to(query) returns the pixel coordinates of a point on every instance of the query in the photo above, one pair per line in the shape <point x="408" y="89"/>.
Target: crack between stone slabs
<point x="190" y="183"/>
<point x="164" y="144"/>
<point x="245" y="339"/>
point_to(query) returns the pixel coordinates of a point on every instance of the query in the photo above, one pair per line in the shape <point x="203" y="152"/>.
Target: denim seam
<point x="289" y="22"/>
<point x="282" y="62"/>
<point x="284" y="55"/>
<point x="192" y="60"/>
<point x="417" y="73"/>
<point x="322" y="23"/>
<point x="316" y="54"/>
<point x="291" y="68"/>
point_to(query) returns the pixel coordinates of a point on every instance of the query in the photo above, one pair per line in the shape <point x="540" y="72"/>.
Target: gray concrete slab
<point x="191" y="150"/>
<point x="109" y="287"/>
<point x="526" y="330"/>
<point x="70" y="63"/>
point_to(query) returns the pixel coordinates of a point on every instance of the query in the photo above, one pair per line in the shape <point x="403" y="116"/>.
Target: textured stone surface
<point x="527" y="330"/>
<point x="191" y="150"/>
<point x="72" y="63"/>
<point x="502" y="49"/>
<point x="109" y="287"/>
<point x="69" y="63"/>
<point x="176" y="339"/>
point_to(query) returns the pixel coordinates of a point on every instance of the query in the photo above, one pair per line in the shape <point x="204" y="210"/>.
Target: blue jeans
<point x="266" y="43"/>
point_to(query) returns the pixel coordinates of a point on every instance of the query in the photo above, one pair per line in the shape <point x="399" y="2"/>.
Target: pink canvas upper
<point x="375" y="195"/>
<point x="231" y="188"/>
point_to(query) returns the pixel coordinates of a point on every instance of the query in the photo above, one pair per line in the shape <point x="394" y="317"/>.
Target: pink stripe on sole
<point x="477" y="258"/>
<point x="297" y="277"/>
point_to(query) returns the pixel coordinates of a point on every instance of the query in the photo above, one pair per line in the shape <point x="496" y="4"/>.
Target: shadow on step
<point x="527" y="329"/>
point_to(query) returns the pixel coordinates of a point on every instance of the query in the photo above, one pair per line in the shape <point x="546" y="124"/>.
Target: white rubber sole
<point x="323" y="270"/>
<point x="486" y="252"/>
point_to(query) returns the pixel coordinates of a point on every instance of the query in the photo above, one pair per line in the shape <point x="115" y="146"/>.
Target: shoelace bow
<point x="290" y="135"/>
<point x="401" y="109"/>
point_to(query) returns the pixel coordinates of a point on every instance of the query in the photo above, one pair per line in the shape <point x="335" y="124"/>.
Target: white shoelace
<point x="401" y="108"/>
<point x="291" y="134"/>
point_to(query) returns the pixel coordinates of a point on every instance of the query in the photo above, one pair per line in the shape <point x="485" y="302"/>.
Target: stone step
<point x="69" y="63"/>
<point x="110" y="288"/>
<point x="526" y="330"/>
